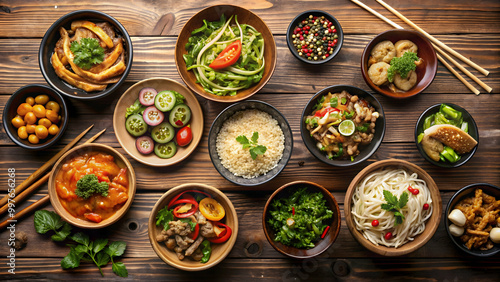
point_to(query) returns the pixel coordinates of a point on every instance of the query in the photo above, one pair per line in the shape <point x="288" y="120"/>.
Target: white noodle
<point x="368" y="198"/>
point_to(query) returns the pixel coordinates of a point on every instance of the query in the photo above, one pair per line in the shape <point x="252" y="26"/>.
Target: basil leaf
<point x="120" y="269"/>
<point x="116" y="248"/>
<point x="403" y="199"/>
<point x="47" y="220"/>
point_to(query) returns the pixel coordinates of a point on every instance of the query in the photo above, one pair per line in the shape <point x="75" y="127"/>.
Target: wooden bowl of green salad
<point x="301" y="219"/>
<point x="235" y="64"/>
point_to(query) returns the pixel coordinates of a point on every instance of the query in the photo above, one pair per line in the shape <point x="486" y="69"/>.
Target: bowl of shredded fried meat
<point x="85" y="54"/>
<point x="472" y="219"/>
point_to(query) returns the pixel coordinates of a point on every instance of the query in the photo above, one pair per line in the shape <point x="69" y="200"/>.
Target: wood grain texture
<point x="472" y="28"/>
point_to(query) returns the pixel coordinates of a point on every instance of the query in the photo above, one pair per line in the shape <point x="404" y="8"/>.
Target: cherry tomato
<point x="375" y="223"/>
<point x="22" y="132"/>
<point x="30" y="118"/>
<point x="184" y="136"/>
<point x="228" y="56"/>
<point x="426" y="206"/>
<point x="17" y="122"/>
<point x="24" y="108"/>
<point x="53" y="106"/>
<point x="211" y="209"/>
<point x="41" y="132"/>
<point x="39" y="111"/>
<point x="30" y="100"/>
<point x="388" y="236"/>
<point x="42" y="99"/>
<point x="53" y="129"/>
<point x="33" y="139"/>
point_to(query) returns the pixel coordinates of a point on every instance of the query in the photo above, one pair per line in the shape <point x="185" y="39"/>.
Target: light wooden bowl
<point x="214" y="13"/>
<point x="430" y="226"/>
<point x="127" y="141"/>
<point x="120" y="160"/>
<point x="323" y="244"/>
<point x="219" y="251"/>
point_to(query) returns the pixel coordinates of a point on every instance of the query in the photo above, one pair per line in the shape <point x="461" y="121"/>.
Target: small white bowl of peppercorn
<point x="314" y="37"/>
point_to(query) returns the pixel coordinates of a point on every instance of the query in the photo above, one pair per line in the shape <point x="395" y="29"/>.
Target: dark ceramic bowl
<point x="213" y="13"/>
<point x="365" y="151"/>
<point x="52" y="36"/>
<point x="229" y="112"/>
<point x="316" y="13"/>
<point x="425" y="72"/>
<point x="473" y="131"/>
<point x="468" y="191"/>
<point x="323" y="244"/>
<point x="19" y="97"/>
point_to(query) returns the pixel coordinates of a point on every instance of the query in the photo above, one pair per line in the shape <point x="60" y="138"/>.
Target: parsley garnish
<point x="403" y="65"/>
<point x="394" y="205"/>
<point x="255" y="149"/>
<point x="87" y="52"/>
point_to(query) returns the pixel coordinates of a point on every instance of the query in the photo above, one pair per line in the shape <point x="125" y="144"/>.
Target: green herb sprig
<point x="48" y="220"/>
<point x="394" y="205"/>
<point x="89" y="184"/>
<point x="403" y="65"/>
<point x="87" y="52"/>
<point x="255" y="149"/>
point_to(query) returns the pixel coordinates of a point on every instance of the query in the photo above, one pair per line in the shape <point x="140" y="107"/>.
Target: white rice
<point x="238" y="160"/>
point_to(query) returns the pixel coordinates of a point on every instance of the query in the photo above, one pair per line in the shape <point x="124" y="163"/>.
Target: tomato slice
<point x="211" y="209"/>
<point x="228" y="56"/>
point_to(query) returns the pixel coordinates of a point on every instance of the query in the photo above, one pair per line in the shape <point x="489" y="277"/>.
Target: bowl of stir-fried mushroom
<point x="342" y="125"/>
<point x="85" y="54"/>
<point x="193" y="227"/>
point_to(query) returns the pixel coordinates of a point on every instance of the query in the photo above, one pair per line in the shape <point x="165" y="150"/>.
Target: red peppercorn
<point x="334" y="30"/>
<point x="388" y="236"/>
<point x="301" y="37"/>
<point x="329" y="48"/>
<point x="326" y="55"/>
<point x="426" y="206"/>
<point x="315" y="34"/>
<point x="375" y="223"/>
<point x="335" y="41"/>
<point x="306" y="32"/>
<point x="298" y="29"/>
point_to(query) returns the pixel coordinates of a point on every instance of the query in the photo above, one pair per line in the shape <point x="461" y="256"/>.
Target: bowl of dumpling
<point x="399" y="63"/>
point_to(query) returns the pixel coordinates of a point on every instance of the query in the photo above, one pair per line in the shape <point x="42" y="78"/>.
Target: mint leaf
<point x="403" y="199"/>
<point x="120" y="269"/>
<point x="394" y="205"/>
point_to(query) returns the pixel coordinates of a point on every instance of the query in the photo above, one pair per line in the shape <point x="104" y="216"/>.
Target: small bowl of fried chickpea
<point x="35" y="117"/>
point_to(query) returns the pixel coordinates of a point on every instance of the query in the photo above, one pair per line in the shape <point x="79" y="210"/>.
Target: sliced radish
<point x="145" y="145"/>
<point x="147" y="96"/>
<point x="152" y="116"/>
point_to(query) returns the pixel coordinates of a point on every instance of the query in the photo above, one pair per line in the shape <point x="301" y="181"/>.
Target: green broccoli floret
<point x="89" y="185"/>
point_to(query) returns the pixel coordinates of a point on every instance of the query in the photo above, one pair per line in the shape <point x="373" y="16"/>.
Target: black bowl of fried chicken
<point x="85" y="54"/>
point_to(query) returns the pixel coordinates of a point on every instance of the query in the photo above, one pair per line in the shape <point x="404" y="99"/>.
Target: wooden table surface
<point x="470" y="27"/>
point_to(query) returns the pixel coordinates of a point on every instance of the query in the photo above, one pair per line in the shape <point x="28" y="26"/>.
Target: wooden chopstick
<point x="433" y="39"/>
<point x="44" y="167"/>
<point x="450" y="68"/>
<point x="25" y="212"/>
<point x="21" y="196"/>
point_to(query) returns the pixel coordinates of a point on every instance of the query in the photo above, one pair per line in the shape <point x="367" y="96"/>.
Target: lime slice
<point x="347" y="127"/>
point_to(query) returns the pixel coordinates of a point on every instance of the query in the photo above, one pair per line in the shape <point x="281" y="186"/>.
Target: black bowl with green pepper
<point x="314" y="37"/>
<point x="436" y="114"/>
<point x="52" y="36"/>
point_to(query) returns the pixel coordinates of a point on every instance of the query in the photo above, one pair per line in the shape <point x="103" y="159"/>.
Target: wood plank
<point x="19" y="66"/>
<point x="251" y="242"/>
<point x="168" y="18"/>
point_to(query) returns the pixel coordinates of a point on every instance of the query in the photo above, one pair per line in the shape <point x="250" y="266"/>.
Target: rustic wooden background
<point x="470" y="27"/>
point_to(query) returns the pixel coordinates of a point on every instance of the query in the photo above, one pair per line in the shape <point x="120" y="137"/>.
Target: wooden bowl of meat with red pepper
<point x="193" y="227"/>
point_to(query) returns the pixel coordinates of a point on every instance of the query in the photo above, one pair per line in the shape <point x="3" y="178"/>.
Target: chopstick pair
<point x="22" y="191"/>
<point x="435" y="42"/>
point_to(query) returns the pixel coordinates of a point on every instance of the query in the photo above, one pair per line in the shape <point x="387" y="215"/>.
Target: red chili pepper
<point x="325" y="231"/>
<point x="195" y="233"/>
<point x="323" y="112"/>
<point x="170" y="204"/>
<point x="189" y="213"/>
<point x="426" y="206"/>
<point x="224" y="236"/>
<point x="388" y="236"/>
<point x="375" y="223"/>
<point x="293" y="211"/>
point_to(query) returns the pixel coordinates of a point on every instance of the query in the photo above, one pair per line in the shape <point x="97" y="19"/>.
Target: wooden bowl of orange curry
<point x="92" y="186"/>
